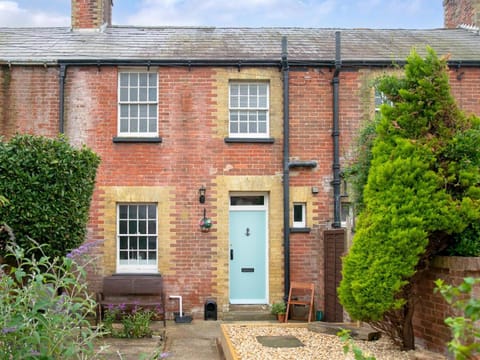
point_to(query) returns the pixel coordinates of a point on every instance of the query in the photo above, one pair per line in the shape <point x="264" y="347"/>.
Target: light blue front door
<point x="248" y="256"/>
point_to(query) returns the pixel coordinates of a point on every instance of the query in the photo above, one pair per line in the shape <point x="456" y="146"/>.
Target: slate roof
<point x="48" y="45"/>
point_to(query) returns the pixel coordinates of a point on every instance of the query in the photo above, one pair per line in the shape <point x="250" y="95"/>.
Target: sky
<point x="376" y="14"/>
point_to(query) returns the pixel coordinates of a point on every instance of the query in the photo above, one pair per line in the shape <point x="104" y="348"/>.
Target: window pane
<point x="123" y="79"/>
<point x="123" y="227"/>
<point x="262" y="127"/>
<point x="143" y="111"/>
<point x="143" y="79"/>
<point x="152" y="211"/>
<point x="134" y="125"/>
<point x="133" y="79"/>
<point x="152" y="125"/>
<point x="134" y="111"/>
<point x="143" y="94"/>
<point x="152" y="227"/>
<point x="152" y="94"/>
<point x="247" y="200"/>
<point x="152" y="79"/>
<point x="133" y="94"/>
<point x="152" y="255"/>
<point x="142" y="227"/>
<point x="143" y="125"/>
<point x="234" y="101"/>
<point x="252" y="128"/>
<point x="152" y="111"/>
<point x="298" y="213"/>
<point x="152" y="242"/>
<point x="123" y="94"/>
<point x="142" y="243"/>
<point x="123" y="255"/>
<point x="123" y="211"/>
<point x="133" y="243"/>
<point x="124" y="242"/>
<point x="243" y="89"/>
<point x="132" y="227"/>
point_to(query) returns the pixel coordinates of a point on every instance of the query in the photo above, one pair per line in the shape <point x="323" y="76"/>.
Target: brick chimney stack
<point x="461" y="12"/>
<point x="91" y="14"/>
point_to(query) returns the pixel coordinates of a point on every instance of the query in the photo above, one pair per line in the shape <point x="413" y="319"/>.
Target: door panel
<point x="248" y="239"/>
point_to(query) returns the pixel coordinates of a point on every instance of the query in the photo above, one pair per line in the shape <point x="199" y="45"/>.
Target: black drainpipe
<point x="336" y="134"/>
<point x="286" y="175"/>
<point x="61" y="110"/>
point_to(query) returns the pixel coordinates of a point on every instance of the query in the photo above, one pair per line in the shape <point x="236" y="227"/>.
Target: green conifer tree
<point x="423" y="186"/>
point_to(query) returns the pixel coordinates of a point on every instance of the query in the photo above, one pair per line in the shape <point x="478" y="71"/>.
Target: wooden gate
<point x="334" y="241"/>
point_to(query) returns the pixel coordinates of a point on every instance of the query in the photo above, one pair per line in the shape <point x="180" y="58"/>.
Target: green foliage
<point x="49" y="185"/>
<point x="357" y="172"/>
<point x="44" y="312"/>
<point x="279" y="308"/>
<point x="423" y="185"/>
<point x="348" y="345"/>
<point x="467" y="243"/>
<point x="465" y="328"/>
<point x="135" y="323"/>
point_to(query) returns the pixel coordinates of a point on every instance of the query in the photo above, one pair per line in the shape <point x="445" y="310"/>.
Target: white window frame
<point x="303" y="222"/>
<point x="136" y="265"/>
<point x="149" y="104"/>
<point x="249" y="110"/>
<point x="379" y="100"/>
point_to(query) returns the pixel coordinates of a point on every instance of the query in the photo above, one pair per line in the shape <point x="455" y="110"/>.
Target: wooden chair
<point x="300" y="294"/>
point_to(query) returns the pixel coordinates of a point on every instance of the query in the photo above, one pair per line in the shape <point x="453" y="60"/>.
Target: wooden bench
<point x="145" y="291"/>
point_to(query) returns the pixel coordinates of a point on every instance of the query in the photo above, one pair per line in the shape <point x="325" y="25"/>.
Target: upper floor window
<point x="137" y="238"/>
<point x="138" y="102"/>
<point x="380" y="99"/>
<point x="248" y="105"/>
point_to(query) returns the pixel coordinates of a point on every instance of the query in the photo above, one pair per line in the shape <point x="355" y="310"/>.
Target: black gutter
<point x="286" y="175"/>
<point x="336" y="135"/>
<point x="61" y="110"/>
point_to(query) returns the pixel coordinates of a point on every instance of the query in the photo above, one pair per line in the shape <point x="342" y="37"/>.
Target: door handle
<point x="231" y="254"/>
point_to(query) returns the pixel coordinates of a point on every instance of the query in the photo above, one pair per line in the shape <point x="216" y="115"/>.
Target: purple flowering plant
<point x="43" y="304"/>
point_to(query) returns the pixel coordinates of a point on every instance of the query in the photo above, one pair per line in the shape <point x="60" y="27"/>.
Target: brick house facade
<point x="174" y="110"/>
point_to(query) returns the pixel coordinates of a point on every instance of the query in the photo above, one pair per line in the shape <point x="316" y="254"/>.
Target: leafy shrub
<point x="44" y="309"/>
<point x="465" y="328"/>
<point x="135" y="322"/>
<point x="467" y="243"/>
<point x="49" y="185"/>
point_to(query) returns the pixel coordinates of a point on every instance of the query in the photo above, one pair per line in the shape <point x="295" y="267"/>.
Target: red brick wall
<point x="30" y="100"/>
<point x="431" y="310"/>
<point x="192" y="154"/>
<point x="457" y="12"/>
<point x="91" y="14"/>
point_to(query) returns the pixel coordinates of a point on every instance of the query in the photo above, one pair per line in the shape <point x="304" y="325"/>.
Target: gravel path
<point x="317" y="346"/>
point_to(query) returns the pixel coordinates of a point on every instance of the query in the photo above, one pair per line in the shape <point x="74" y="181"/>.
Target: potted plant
<point x="279" y="309"/>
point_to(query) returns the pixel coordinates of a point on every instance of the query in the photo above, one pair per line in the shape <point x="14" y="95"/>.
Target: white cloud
<point x="12" y="15"/>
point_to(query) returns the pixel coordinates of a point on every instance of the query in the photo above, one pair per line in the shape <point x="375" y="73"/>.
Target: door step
<point x="248" y="313"/>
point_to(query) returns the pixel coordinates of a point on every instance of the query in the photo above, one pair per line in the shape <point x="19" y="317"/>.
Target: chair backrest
<point x="302" y="288"/>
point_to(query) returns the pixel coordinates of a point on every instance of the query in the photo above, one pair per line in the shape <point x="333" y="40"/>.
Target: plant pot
<point x="281" y="318"/>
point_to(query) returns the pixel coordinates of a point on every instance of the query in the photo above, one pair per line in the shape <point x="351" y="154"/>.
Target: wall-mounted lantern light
<point x="201" y="195"/>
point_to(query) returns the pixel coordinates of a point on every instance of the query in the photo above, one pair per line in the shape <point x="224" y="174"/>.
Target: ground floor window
<point x="137" y="238"/>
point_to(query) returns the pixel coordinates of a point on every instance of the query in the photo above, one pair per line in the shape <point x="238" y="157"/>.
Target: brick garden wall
<point x="430" y="329"/>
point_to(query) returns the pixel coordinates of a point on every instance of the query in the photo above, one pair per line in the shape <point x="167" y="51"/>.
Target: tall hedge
<point x="423" y="186"/>
<point x="49" y="186"/>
